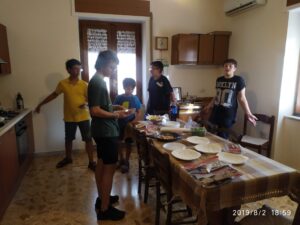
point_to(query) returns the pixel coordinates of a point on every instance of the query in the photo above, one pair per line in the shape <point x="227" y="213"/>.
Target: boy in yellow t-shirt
<point x="75" y="112"/>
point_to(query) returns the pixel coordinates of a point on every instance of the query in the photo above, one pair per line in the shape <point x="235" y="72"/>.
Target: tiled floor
<point x="66" y="196"/>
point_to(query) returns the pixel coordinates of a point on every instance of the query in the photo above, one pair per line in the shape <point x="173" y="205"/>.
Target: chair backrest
<point x="142" y="146"/>
<point x="162" y="167"/>
<point x="270" y="120"/>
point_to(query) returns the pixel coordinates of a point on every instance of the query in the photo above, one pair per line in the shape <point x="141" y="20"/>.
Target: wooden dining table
<point x="261" y="178"/>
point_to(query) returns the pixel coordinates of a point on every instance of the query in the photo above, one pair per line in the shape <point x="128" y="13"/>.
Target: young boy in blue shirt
<point x="128" y="101"/>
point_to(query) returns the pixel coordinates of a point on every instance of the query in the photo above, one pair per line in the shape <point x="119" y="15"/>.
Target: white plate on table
<point x="187" y="154"/>
<point x="234" y="159"/>
<point x="172" y="124"/>
<point x="211" y="148"/>
<point x="198" y="140"/>
<point x="173" y="146"/>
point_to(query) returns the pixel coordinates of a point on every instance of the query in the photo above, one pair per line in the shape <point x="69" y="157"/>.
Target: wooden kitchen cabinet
<point x="9" y="168"/>
<point x="206" y="49"/>
<point x="221" y="46"/>
<point x="185" y="49"/>
<point x="213" y="48"/>
<point x="200" y="49"/>
<point x="4" y="52"/>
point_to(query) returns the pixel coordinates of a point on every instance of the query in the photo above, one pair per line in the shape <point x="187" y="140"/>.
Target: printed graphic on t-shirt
<point x="125" y="104"/>
<point x="225" y="92"/>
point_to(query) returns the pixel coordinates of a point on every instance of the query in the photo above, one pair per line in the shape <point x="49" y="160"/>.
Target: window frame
<point x="297" y="93"/>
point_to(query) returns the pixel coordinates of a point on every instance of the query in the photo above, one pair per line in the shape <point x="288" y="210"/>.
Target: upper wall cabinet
<point x="292" y="2"/>
<point x="200" y="49"/>
<point x="185" y="49"/>
<point x="4" y="53"/>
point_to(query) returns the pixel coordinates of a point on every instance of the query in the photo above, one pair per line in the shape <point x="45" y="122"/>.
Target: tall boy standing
<point x="105" y="132"/>
<point x="230" y="90"/>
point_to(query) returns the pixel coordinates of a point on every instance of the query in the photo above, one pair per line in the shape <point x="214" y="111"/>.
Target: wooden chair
<point x="269" y="218"/>
<point x="146" y="171"/>
<point x="164" y="178"/>
<point x="259" y="143"/>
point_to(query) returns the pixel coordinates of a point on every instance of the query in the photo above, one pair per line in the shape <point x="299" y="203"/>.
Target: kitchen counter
<point x="13" y="121"/>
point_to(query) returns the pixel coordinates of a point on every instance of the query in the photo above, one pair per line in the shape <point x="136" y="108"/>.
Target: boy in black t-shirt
<point x="230" y="90"/>
<point x="160" y="91"/>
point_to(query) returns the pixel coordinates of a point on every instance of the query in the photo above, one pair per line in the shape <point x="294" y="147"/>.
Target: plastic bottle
<point x="173" y="111"/>
<point x="20" y="101"/>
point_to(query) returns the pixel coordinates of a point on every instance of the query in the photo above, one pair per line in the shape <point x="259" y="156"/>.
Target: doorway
<point x="124" y="39"/>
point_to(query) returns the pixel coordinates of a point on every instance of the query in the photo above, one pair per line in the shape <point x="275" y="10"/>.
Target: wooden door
<point x="292" y="2"/>
<point x="97" y="36"/>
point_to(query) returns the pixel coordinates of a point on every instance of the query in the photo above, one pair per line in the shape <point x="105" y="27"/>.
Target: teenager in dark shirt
<point x="230" y="90"/>
<point x="160" y="91"/>
<point x="105" y="131"/>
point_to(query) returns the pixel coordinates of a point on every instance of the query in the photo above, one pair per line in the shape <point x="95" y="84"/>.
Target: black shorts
<point x="84" y="127"/>
<point x="107" y="149"/>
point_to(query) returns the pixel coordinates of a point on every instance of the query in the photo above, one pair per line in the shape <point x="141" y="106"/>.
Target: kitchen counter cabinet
<point x="11" y="169"/>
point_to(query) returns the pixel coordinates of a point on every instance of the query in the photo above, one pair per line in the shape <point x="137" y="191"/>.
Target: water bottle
<point x="173" y="111"/>
<point x="20" y="101"/>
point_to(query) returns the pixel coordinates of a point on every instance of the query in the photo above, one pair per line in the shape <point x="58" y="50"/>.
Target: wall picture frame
<point x="161" y="43"/>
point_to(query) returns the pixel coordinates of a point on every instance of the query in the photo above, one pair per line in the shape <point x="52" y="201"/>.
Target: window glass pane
<point x="126" y="69"/>
<point x="126" y="48"/>
<point x="126" y="41"/>
<point x="97" y="40"/>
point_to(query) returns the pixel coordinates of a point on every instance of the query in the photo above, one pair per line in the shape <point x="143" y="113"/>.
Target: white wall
<point x="42" y="35"/>
<point x="188" y="16"/>
<point x="258" y="44"/>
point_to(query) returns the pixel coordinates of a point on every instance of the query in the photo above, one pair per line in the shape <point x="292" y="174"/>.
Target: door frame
<point x="146" y="39"/>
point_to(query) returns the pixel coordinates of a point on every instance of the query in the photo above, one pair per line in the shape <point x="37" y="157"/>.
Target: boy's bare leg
<point x="89" y="150"/>
<point x="98" y="175"/>
<point x="128" y="151"/>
